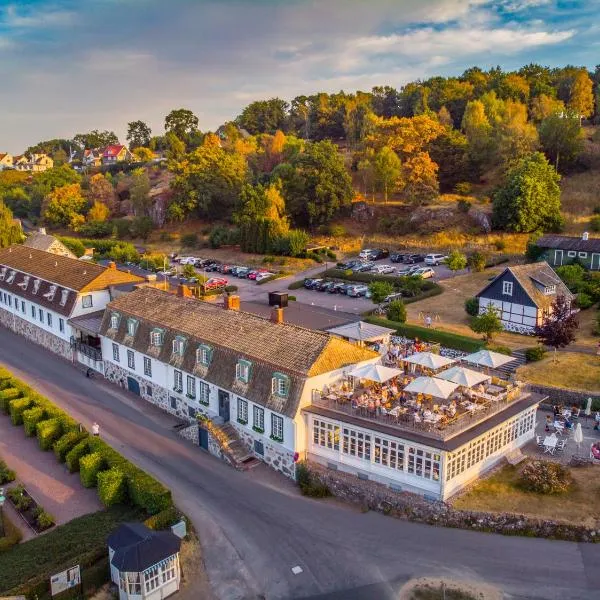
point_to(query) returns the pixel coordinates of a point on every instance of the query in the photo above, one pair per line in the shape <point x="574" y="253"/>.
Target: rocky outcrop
<point x="481" y="219"/>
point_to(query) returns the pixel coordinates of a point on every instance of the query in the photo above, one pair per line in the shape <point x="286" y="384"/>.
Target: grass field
<point x="500" y="493"/>
<point x="573" y="370"/>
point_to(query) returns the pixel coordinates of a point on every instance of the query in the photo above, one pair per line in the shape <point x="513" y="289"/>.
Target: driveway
<point x="255" y="528"/>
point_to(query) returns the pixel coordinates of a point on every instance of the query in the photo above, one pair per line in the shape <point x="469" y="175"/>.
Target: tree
<point x="559" y="326"/>
<point x="387" y="169"/>
<point x="420" y="177"/>
<point x="476" y="262"/>
<point x="98" y="213"/>
<point x="264" y="116"/>
<point x="138" y="134"/>
<point x="188" y="271"/>
<point x="544" y="106"/>
<point x="396" y="311"/>
<point x="561" y="138"/>
<point x="380" y="290"/>
<point x="513" y="136"/>
<point x="488" y="323"/>
<point x="456" y="261"/>
<point x="65" y="206"/>
<point x="450" y="152"/>
<point x="10" y="230"/>
<point x="141" y="227"/>
<point x="182" y="122"/>
<point x="143" y="154"/>
<point x="18" y="200"/>
<point x="529" y="198"/>
<point x="101" y="191"/>
<point x="445" y="117"/>
<point x="581" y="97"/>
<point x="139" y="192"/>
<point x="478" y="130"/>
<point x="96" y="139"/>
<point x="47" y="181"/>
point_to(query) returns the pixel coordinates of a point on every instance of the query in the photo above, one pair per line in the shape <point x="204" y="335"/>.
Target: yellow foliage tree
<point x="403" y="135"/>
<point x="544" y="106"/>
<point x="98" y="212"/>
<point x="581" y="98"/>
<point x="420" y="175"/>
<point x="143" y="154"/>
<point x="64" y="206"/>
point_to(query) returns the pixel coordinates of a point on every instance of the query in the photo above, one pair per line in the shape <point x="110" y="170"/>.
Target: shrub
<point x="534" y="354"/>
<point x="545" y="477"/>
<point x="146" y="492"/>
<point x="572" y="275"/>
<point x="292" y="298"/>
<point x="19" y="499"/>
<point x="165" y="236"/>
<point x="31" y="417"/>
<point x="464" y="206"/>
<point x="472" y="306"/>
<point x="164" y="519"/>
<point x="310" y="486"/>
<point x="500" y="350"/>
<point x="48" y="432"/>
<point x="6" y="475"/>
<point x="17" y="408"/>
<point x="463" y="188"/>
<point x="6" y="395"/>
<point x="44" y="520"/>
<point x="74" y="455"/>
<point x="396" y="311"/>
<point x="89" y="467"/>
<point x="500" y="245"/>
<point x="66" y="442"/>
<point x="476" y="262"/>
<point x="595" y="223"/>
<point x="112" y="486"/>
<point x="121" y="227"/>
<point x="74" y="245"/>
<point x="337" y="230"/>
<point x="97" y="229"/>
<point x="221" y="236"/>
<point x="584" y="300"/>
<point x="189" y="240"/>
<point x="456" y="261"/>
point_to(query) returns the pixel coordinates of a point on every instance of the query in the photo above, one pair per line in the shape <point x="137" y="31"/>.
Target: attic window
<point x="179" y="345"/>
<point x="280" y="385"/>
<point x="3" y="273"/>
<point x="114" y="320"/>
<point x="36" y="286"/>
<point x="204" y="355"/>
<point x="507" y="288"/>
<point x="131" y="326"/>
<point x="156" y="337"/>
<point x="51" y="293"/>
<point x="11" y="277"/>
<point x="64" y="294"/>
<point x="242" y="370"/>
<point x="23" y="285"/>
<point x="550" y="289"/>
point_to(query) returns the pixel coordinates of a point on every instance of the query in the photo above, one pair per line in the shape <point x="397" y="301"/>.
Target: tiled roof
<point x="564" y="242"/>
<point x="542" y="272"/>
<point x="271" y="347"/>
<point x="63" y="271"/>
<point x="113" y="150"/>
<point x="41" y="241"/>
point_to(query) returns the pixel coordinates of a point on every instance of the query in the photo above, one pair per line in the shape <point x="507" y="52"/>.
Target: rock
<point x="481" y="219"/>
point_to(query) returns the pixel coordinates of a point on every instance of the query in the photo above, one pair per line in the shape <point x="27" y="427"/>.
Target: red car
<point x="215" y="282"/>
<point x="252" y="275"/>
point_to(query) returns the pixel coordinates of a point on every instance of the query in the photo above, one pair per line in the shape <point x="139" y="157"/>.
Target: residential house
<point x="20" y="162"/>
<point x="40" y="292"/>
<point x="92" y="157"/>
<point x="144" y="564"/>
<point x="523" y="295"/>
<point x="6" y="161"/>
<point x="565" y="250"/>
<point x="115" y="153"/>
<point x="190" y="357"/>
<point x="36" y="163"/>
<point x="48" y="243"/>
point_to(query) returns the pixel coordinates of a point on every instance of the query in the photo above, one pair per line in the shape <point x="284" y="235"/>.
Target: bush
<point x="456" y="261"/>
<point x="472" y="306"/>
<point x="121" y="228"/>
<point x="48" y="432"/>
<point x="595" y="223"/>
<point x="89" y="467"/>
<point x="396" y="311"/>
<point x="6" y="475"/>
<point x="463" y="188"/>
<point x="17" y="408"/>
<point x="141" y="227"/>
<point x="19" y="499"/>
<point x="476" y="262"/>
<point x="112" y="486"/>
<point x="189" y="240"/>
<point x="464" y="206"/>
<point x="310" y="486"/>
<point x="500" y="350"/>
<point x="44" y="520"/>
<point x="12" y="534"/>
<point x="97" y="229"/>
<point x="164" y="519"/>
<point x="65" y="443"/>
<point x="584" y="300"/>
<point x="146" y="492"/>
<point x="337" y="231"/>
<point x="221" y="236"/>
<point x="74" y="455"/>
<point x="500" y="245"/>
<point x="533" y="251"/>
<point x="74" y="245"/>
<point x="545" y="477"/>
<point x="534" y="354"/>
<point x="572" y="275"/>
<point x="31" y="417"/>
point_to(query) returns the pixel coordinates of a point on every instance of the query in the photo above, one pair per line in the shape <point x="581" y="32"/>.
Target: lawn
<point x="501" y="493"/>
<point x="573" y="370"/>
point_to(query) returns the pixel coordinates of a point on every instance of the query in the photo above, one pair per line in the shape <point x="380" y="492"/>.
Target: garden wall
<point x="565" y="396"/>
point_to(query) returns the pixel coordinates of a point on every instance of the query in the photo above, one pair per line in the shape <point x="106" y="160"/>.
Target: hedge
<point x="31" y="417"/>
<point x="48" y="432"/>
<point x="89" y="467"/>
<point x="74" y="455"/>
<point x="6" y="396"/>
<point x="164" y="519"/>
<point x="445" y="338"/>
<point x="66" y="442"/>
<point x="12" y="534"/>
<point x="436" y="291"/>
<point x="112" y="486"/>
<point x="17" y="408"/>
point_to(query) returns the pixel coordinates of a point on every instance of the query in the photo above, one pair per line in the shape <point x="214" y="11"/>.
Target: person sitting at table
<point x="595" y="450"/>
<point x="427" y="414"/>
<point x="452" y="409"/>
<point x="568" y="423"/>
<point x="548" y="423"/>
<point x="557" y="410"/>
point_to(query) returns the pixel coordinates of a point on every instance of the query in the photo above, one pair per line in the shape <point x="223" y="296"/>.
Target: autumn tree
<point x="559" y="326"/>
<point x="581" y="97"/>
<point x="420" y="178"/>
<point x="138" y="134"/>
<point x="101" y="191"/>
<point x="544" y="106"/>
<point x="387" y="169"/>
<point x="139" y="192"/>
<point x="143" y="154"/>
<point x="478" y="131"/>
<point x="366" y="171"/>
<point x="65" y="206"/>
<point x="561" y="138"/>
<point x="182" y="122"/>
<point x="47" y="181"/>
<point x="264" y="116"/>
<point x="514" y="137"/>
<point x="10" y="230"/>
<point x="456" y="261"/>
<point x="98" y="213"/>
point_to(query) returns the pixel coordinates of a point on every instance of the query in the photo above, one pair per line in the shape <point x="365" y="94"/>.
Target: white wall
<point x="100" y="299"/>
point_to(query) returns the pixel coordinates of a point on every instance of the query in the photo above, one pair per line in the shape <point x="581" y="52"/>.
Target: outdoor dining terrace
<point x="423" y="395"/>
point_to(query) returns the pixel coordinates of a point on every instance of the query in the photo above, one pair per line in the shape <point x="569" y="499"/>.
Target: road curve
<point x="255" y="527"/>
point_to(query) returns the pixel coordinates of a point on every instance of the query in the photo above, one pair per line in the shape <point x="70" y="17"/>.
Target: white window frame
<point x="64" y="294"/>
<point x="507" y="288"/>
<point x="40" y="314"/>
<point x="178" y="381"/>
<point x="258" y="419"/>
<point x="131" y="359"/>
<point x="131" y="327"/>
<point x="582" y="254"/>
<point x="203" y="354"/>
<point x="11" y="277"/>
<point x="242" y="370"/>
<point x="151" y="579"/>
<point x="115" y="350"/>
<point x="36" y="286"/>
<point x="242" y="411"/>
<point x="147" y="366"/>
<point x="571" y="253"/>
<point x="190" y="384"/>
<point x="280" y="385"/>
<point x="156" y="337"/>
<point x="179" y="345"/>
<point x="276" y="428"/>
<point x="203" y="393"/>
<point x="86" y="301"/>
<point x="114" y="321"/>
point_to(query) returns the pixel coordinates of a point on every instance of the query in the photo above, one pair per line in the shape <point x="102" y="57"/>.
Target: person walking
<point x="96" y="429"/>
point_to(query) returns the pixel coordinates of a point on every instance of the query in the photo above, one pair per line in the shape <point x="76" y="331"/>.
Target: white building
<point x="40" y="292"/>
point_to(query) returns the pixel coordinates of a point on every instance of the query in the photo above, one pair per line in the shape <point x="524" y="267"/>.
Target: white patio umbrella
<point x="431" y="386"/>
<point x="377" y="373"/>
<point x="588" y="410"/>
<point x="578" y="436"/>
<point x="463" y="376"/>
<point x="486" y="358"/>
<point x="429" y="360"/>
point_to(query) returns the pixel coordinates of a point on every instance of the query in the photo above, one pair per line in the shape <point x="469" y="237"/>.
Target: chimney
<point x="231" y="302"/>
<point x="277" y="315"/>
<point x="42" y="230"/>
<point x="112" y="265"/>
<point x="183" y="291"/>
<point x="586" y="236"/>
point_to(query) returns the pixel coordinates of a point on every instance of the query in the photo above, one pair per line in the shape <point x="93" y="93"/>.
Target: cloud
<point x="15" y="17"/>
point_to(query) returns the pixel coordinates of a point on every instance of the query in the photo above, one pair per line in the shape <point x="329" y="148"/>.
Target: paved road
<point x="254" y="526"/>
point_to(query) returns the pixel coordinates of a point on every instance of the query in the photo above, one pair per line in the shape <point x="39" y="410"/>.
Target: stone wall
<point x="404" y="505"/>
<point x="563" y="395"/>
<point x="190" y="433"/>
<point x="36" y="334"/>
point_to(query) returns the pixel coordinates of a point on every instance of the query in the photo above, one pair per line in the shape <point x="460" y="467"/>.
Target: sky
<point x="70" y="66"/>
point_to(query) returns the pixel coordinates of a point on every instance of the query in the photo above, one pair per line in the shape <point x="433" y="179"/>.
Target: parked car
<point x="397" y="257"/>
<point x="311" y="284"/>
<point x="324" y="287"/>
<point x="263" y="275"/>
<point x="411" y="259"/>
<point x="337" y="287"/>
<point x="383" y="269"/>
<point x="358" y="290"/>
<point x="433" y="260"/>
<point x="392" y="297"/>
<point x="408" y="271"/>
<point x="363" y="267"/>
<point x="365" y="253"/>
<point x="215" y="283"/>
<point x="424" y="272"/>
<point x="380" y="253"/>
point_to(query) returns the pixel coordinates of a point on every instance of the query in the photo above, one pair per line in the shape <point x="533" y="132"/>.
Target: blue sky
<point x="68" y="66"/>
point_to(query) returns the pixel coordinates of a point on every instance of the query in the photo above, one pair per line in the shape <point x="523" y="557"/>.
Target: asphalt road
<point x="254" y="526"/>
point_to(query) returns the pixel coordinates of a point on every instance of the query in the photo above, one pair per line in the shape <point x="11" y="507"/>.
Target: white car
<point x="366" y="253"/>
<point x="433" y="260"/>
<point x="383" y="269"/>
<point x="263" y="275"/>
<point x="424" y="273"/>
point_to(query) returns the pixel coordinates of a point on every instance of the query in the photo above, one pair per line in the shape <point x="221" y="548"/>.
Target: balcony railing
<point x="89" y="351"/>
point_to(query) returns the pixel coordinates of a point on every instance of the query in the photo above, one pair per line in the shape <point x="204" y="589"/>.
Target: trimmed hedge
<point x="164" y="519"/>
<point x="74" y="455"/>
<point x="66" y="442"/>
<point x="31" y="417"/>
<point x="17" y="408"/>
<point x="6" y="396"/>
<point x="89" y="467"/>
<point x="12" y="534"/>
<point x="112" y="486"/>
<point x="48" y="432"/>
<point x="445" y="338"/>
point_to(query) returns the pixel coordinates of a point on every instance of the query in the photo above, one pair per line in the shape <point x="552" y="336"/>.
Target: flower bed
<point x="31" y="512"/>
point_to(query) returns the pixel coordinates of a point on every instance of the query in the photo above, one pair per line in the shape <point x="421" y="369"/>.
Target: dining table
<point x="550" y="442"/>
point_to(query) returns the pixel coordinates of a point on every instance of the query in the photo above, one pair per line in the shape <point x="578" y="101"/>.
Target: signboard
<point x="65" y="580"/>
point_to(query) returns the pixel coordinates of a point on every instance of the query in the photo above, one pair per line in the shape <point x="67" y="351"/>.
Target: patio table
<point x="559" y="427"/>
<point x="494" y="389"/>
<point x="550" y="444"/>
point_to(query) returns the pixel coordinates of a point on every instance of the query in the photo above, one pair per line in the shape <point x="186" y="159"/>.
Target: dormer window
<point x="179" y="345"/>
<point x="280" y="385"/>
<point x="549" y="290"/>
<point x="3" y="273"/>
<point x="11" y="277"/>
<point x="132" y="325"/>
<point x="23" y="285"/>
<point x="51" y="293"/>
<point x="507" y="288"/>
<point x="156" y="337"/>
<point x="204" y="355"/>
<point x="243" y="370"/>
<point x="114" y="320"/>
<point x="36" y="286"/>
<point x="64" y="294"/>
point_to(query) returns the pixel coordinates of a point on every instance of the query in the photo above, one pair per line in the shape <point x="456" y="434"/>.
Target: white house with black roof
<point x="523" y="295"/>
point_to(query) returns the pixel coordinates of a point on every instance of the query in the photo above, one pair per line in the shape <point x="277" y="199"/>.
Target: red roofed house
<point x="115" y="153"/>
<point x="92" y="157"/>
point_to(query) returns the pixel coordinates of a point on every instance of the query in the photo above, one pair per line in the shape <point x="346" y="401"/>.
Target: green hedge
<point x="31" y="417"/>
<point x="12" y="534"/>
<point x="66" y="442"/>
<point x="112" y="486"/>
<point x="48" y="432"/>
<point x="89" y="467"/>
<point x="296" y="285"/>
<point x="6" y="396"/>
<point x="17" y="408"/>
<point x="445" y="338"/>
<point x="436" y="291"/>
<point x="74" y="455"/>
<point x="164" y="519"/>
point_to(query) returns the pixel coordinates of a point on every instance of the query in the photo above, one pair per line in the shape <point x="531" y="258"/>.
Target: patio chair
<point x="575" y="414"/>
<point x="560" y="445"/>
<point x="539" y="441"/>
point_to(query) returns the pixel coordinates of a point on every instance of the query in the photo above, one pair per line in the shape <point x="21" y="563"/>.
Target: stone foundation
<point x="36" y="334"/>
<point x="517" y="328"/>
<point x="190" y="433"/>
<point x="563" y="395"/>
